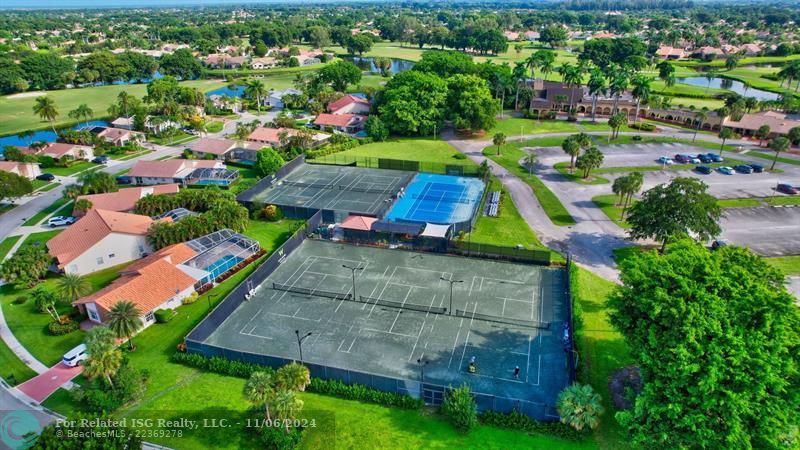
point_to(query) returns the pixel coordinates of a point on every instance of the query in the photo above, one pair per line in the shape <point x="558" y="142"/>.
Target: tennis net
<point x="505" y="320"/>
<point x="312" y="185"/>
<point x="364" y="190"/>
<point x="445" y="199"/>
<point x="314" y="292"/>
<point x="400" y="305"/>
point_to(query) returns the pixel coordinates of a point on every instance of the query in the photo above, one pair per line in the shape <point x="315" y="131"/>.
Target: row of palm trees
<point x="277" y="393"/>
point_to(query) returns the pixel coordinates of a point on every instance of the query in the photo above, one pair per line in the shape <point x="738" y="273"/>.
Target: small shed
<point x="435" y="236"/>
<point x="357" y="227"/>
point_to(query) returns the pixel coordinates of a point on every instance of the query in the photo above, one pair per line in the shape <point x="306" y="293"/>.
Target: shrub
<point x="219" y="365"/>
<point x="20" y="300"/>
<point x="164" y="315"/>
<point x="271" y="213"/>
<point x="516" y="421"/>
<point x="62" y="327"/>
<point x="190" y="299"/>
<point x="460" y="156"/>
<point x="97" y="396"/>
<point x="460" y="408"/>
<point x="643" y="126"/>
<point x="276" y="438"/>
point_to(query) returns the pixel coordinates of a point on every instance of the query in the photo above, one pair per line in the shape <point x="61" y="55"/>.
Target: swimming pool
<point x="439" y="199"/>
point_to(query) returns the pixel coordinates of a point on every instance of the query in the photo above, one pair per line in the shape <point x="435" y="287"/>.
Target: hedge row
<point x="328" y="387"/>
<point x="517" y="421"/>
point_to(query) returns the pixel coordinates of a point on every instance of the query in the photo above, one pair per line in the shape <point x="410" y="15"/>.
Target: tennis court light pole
<point x="452" y="282"/>
<point x="300" y="342"/>
<point x="353" y="270"/>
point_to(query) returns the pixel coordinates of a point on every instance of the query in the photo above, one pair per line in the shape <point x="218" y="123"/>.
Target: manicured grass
<point x="602" y="350"/>
<point x="30" y="326"/>
<point x="121" y="172"/>
<point x="423" y="150"/>
<point x="7" y="245"/>
<point x="38" y="217"/>
<point x="6" y="207"/>
<point x="782" y="201"/>
<point x="42" y="236"/>
<point x="71" y="170"/>
<point x="608" y="204"/>
<point x="771" y="157"/>
<point x="577" y="176"/>
<point x="65" y="210"/>
<point x="514" y="126"/>
<point x="789" y="265"/>
<point x="214" y="127"/>
<point x="12" y="369"/>
<point x="508" y="228"/>
<point x="133" y="155"/>
<point x="267" y="233"/>
<point x="738" y="202"/>
<point x="16" y="113"/>
<point x="177" y="138"/>
<point x="49" y="187"/>
<point x="510" y="156"/>
<point x="38" y="184"/>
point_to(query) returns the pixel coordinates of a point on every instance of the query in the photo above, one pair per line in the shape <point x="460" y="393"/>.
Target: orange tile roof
<point x="20" y="168"/>
<point x="270" y="135"/>
<point x="125" y="199"/>
<point x="148" y="283"/>
<point x="89" y="230"/>
<point x="346" y="100"/>
<point x="169" y="168"/>
<point x="213" y="146"/>
<point x="361" y="223"/>
<point x="338" y="120"/>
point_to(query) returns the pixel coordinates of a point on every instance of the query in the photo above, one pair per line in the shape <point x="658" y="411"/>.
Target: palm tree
<point x="286" y="405"/>
<point x="590" y="159"/>
<point x="530" y="160"/>
<point x="778" y="145"/>
<point x="572" y="147"/>
<point x="633" y="184"/>
<point x="518" y="74"/>
<point x="724" y="134"/>
<point x="82" y="112"/>
<point x="46" y="109"/>
<point x="499" y="140"/>
<point x="580" y="407"/>
<point x="572" y="77"/>
<point x="763" y="133"/>
<point x="124" y="319"/>
<point x="260" y="390"/>
<point x="255" y="88"/>
<point x="699" y="117"/>
<point x="597" y="86"/>
<point x="641" y="91"/>
<point x="104" y="363"/>
<point x="293" y="377"/>
<point x="617" y="85"/>
<point x="72" y="286"/>
<point x="124" y="102"/>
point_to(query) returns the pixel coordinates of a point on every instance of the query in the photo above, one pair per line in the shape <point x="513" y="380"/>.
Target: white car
<point x="60" y="221"/>
<point x="75" y="356"/>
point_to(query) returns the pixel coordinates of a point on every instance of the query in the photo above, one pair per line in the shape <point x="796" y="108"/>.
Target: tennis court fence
<point x="467" y="170"/>
<point x="246" y="198"/>
<point x="504" y="320"/>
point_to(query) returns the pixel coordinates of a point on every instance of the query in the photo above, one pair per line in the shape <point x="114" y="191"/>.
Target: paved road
<point x="20" y="414"/>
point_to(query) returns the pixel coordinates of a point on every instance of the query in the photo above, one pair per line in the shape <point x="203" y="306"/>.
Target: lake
<point x="367" y="64"/>
<point x="44" y="135"/>
<point x="236" y="91"/>
<point x="730" y="85"/>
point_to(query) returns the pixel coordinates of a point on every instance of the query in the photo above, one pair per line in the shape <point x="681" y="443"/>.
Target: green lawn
<point x="738" y="203"/>
<point x="214" y="127"/>
<point x="49" y="187"/>
<point x="121" y="172"/>
<point x="16" y="112"/>
<point x="508" y="228"/>
<point x="515" y="126"/>
<point x="71" y="170"/>
<point x="509" y="158"/>
<point x="7" y="245"/>
<point x="268" y="233"/>
<point x="608" y="203"/>
<point x="39" y="216"/>
<point x="602" y="350"/>
<point x="129" y="156"/>
<point x="30" y="326"/>
<point x="577" y="175"/>
<point x="789" y="265"/>
<point x="12" y="369"/>
<point x="42" y="236"/>
<point x="783" y="200"/>
<point x="423" y="150"/>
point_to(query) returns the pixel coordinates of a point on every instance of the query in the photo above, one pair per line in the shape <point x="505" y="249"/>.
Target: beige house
<point x="99" y="240"/>
<point x="124" y="200"/>
<point x="27" y="170"/>
<point x="58" y="150"/>
<point x="169" y="171"/>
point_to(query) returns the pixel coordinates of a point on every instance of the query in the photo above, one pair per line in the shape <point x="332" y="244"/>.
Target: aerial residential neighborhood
<point x="555" y="224"/>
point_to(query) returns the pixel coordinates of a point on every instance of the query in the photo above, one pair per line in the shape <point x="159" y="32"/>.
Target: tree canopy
<point x="413" y="102"/>
<point x="715" y="335"/>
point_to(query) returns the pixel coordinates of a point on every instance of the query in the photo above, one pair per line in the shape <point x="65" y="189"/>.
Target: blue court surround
<point x="439" y="199"/>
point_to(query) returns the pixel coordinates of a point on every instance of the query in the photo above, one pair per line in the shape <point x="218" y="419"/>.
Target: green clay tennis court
<point x="340" y="188"/>
<point x="504" y="315"/>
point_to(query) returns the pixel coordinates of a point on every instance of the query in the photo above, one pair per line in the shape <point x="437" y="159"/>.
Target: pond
<point x="367" y="64"/>
<point x="156" y="76"/>
<point x="235" y="91"/>
<point x="730" y="85"/>
<point x="44" y="135"/>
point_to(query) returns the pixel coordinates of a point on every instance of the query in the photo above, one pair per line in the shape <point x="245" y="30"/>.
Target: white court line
<point x="511" y="380"/>
<point x="312" y="259"/>
<point x="471" y="285"/>
<point x="453" y="351"/>
<point x="463" y="352"/>
<point x="528" y="364"/>
<point x="539" y="371"/>
<point x="258" y="336"/>
<point x="317" y="320"/>
<point x="387" y="332"/>
<point x="369" y="316"/>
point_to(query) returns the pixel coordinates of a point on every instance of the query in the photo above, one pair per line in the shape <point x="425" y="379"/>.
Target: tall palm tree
<point x="124" y="102"/>
<point x="499" y="139"/>
<point x="597" y="86"/>
<point x="256" y="88"/>
<point x="617" y="85"/>
<point x="72" y="286"/>
<point x="104" y="364"/>
<point x="572" y="147"/>
<point x="579" y="407"/>
<point x="699" y="117"/>
<point x="260" y="390"/>
<point x="293" y="377"/>
<point x="572" y="77"/>
<point x="778" y="145"/>
<point x="124" y="319"/>
<point x="287" y="405"/>
<point x="46" y="109"/>
<point x="518" y="75"/>
<point x="82" y="112"/>
<point x="641" y="91"/>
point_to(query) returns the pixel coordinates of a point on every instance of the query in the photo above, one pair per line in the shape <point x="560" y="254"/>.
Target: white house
<point x="275" y="98"/>
<point x="27" y="170"/>
<point x="99" y="240"/>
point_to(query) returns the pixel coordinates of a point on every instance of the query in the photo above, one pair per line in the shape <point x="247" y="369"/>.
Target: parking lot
<point x="767" y="230"/>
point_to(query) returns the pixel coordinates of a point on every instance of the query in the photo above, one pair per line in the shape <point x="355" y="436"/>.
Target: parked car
<point x="683" y="159"/>
<point x="715" y="157"/>
<point x="705" y="170"/>
<point x="787" y="189"/>
<point x="719" y="243"/>
<point x="666" y="160"/>
<point x="757" y="168"/>
<point x="743" y="168"/>
<point x="75" y="356"/>
<point x="60" y="221"/>
<point x="46" y="177"/>
<point x="123" y="180"/>
<point x="726" y="170"/>
<point x="102" y="159"/>
<point x="705" y="159"/>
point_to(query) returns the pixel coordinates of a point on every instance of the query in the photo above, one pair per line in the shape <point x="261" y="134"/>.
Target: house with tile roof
<point x="667" y="52"/>
<point x="221" y="149"/>
<point x="349" y="104"/>
<point x="124" y="200"/>
<point x="264" y="136"/>
<point x="99" y="240"/>
<point x="168" y="171"/>
<point x="27" y="170"/>
<point x="58" y="150"/>
<point x="343" y="123"/>
<point x="118" y="136"/>
<point x="158" y="281"/>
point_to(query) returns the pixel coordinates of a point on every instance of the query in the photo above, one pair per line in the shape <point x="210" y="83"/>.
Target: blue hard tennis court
<point x="439" y="199"/>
